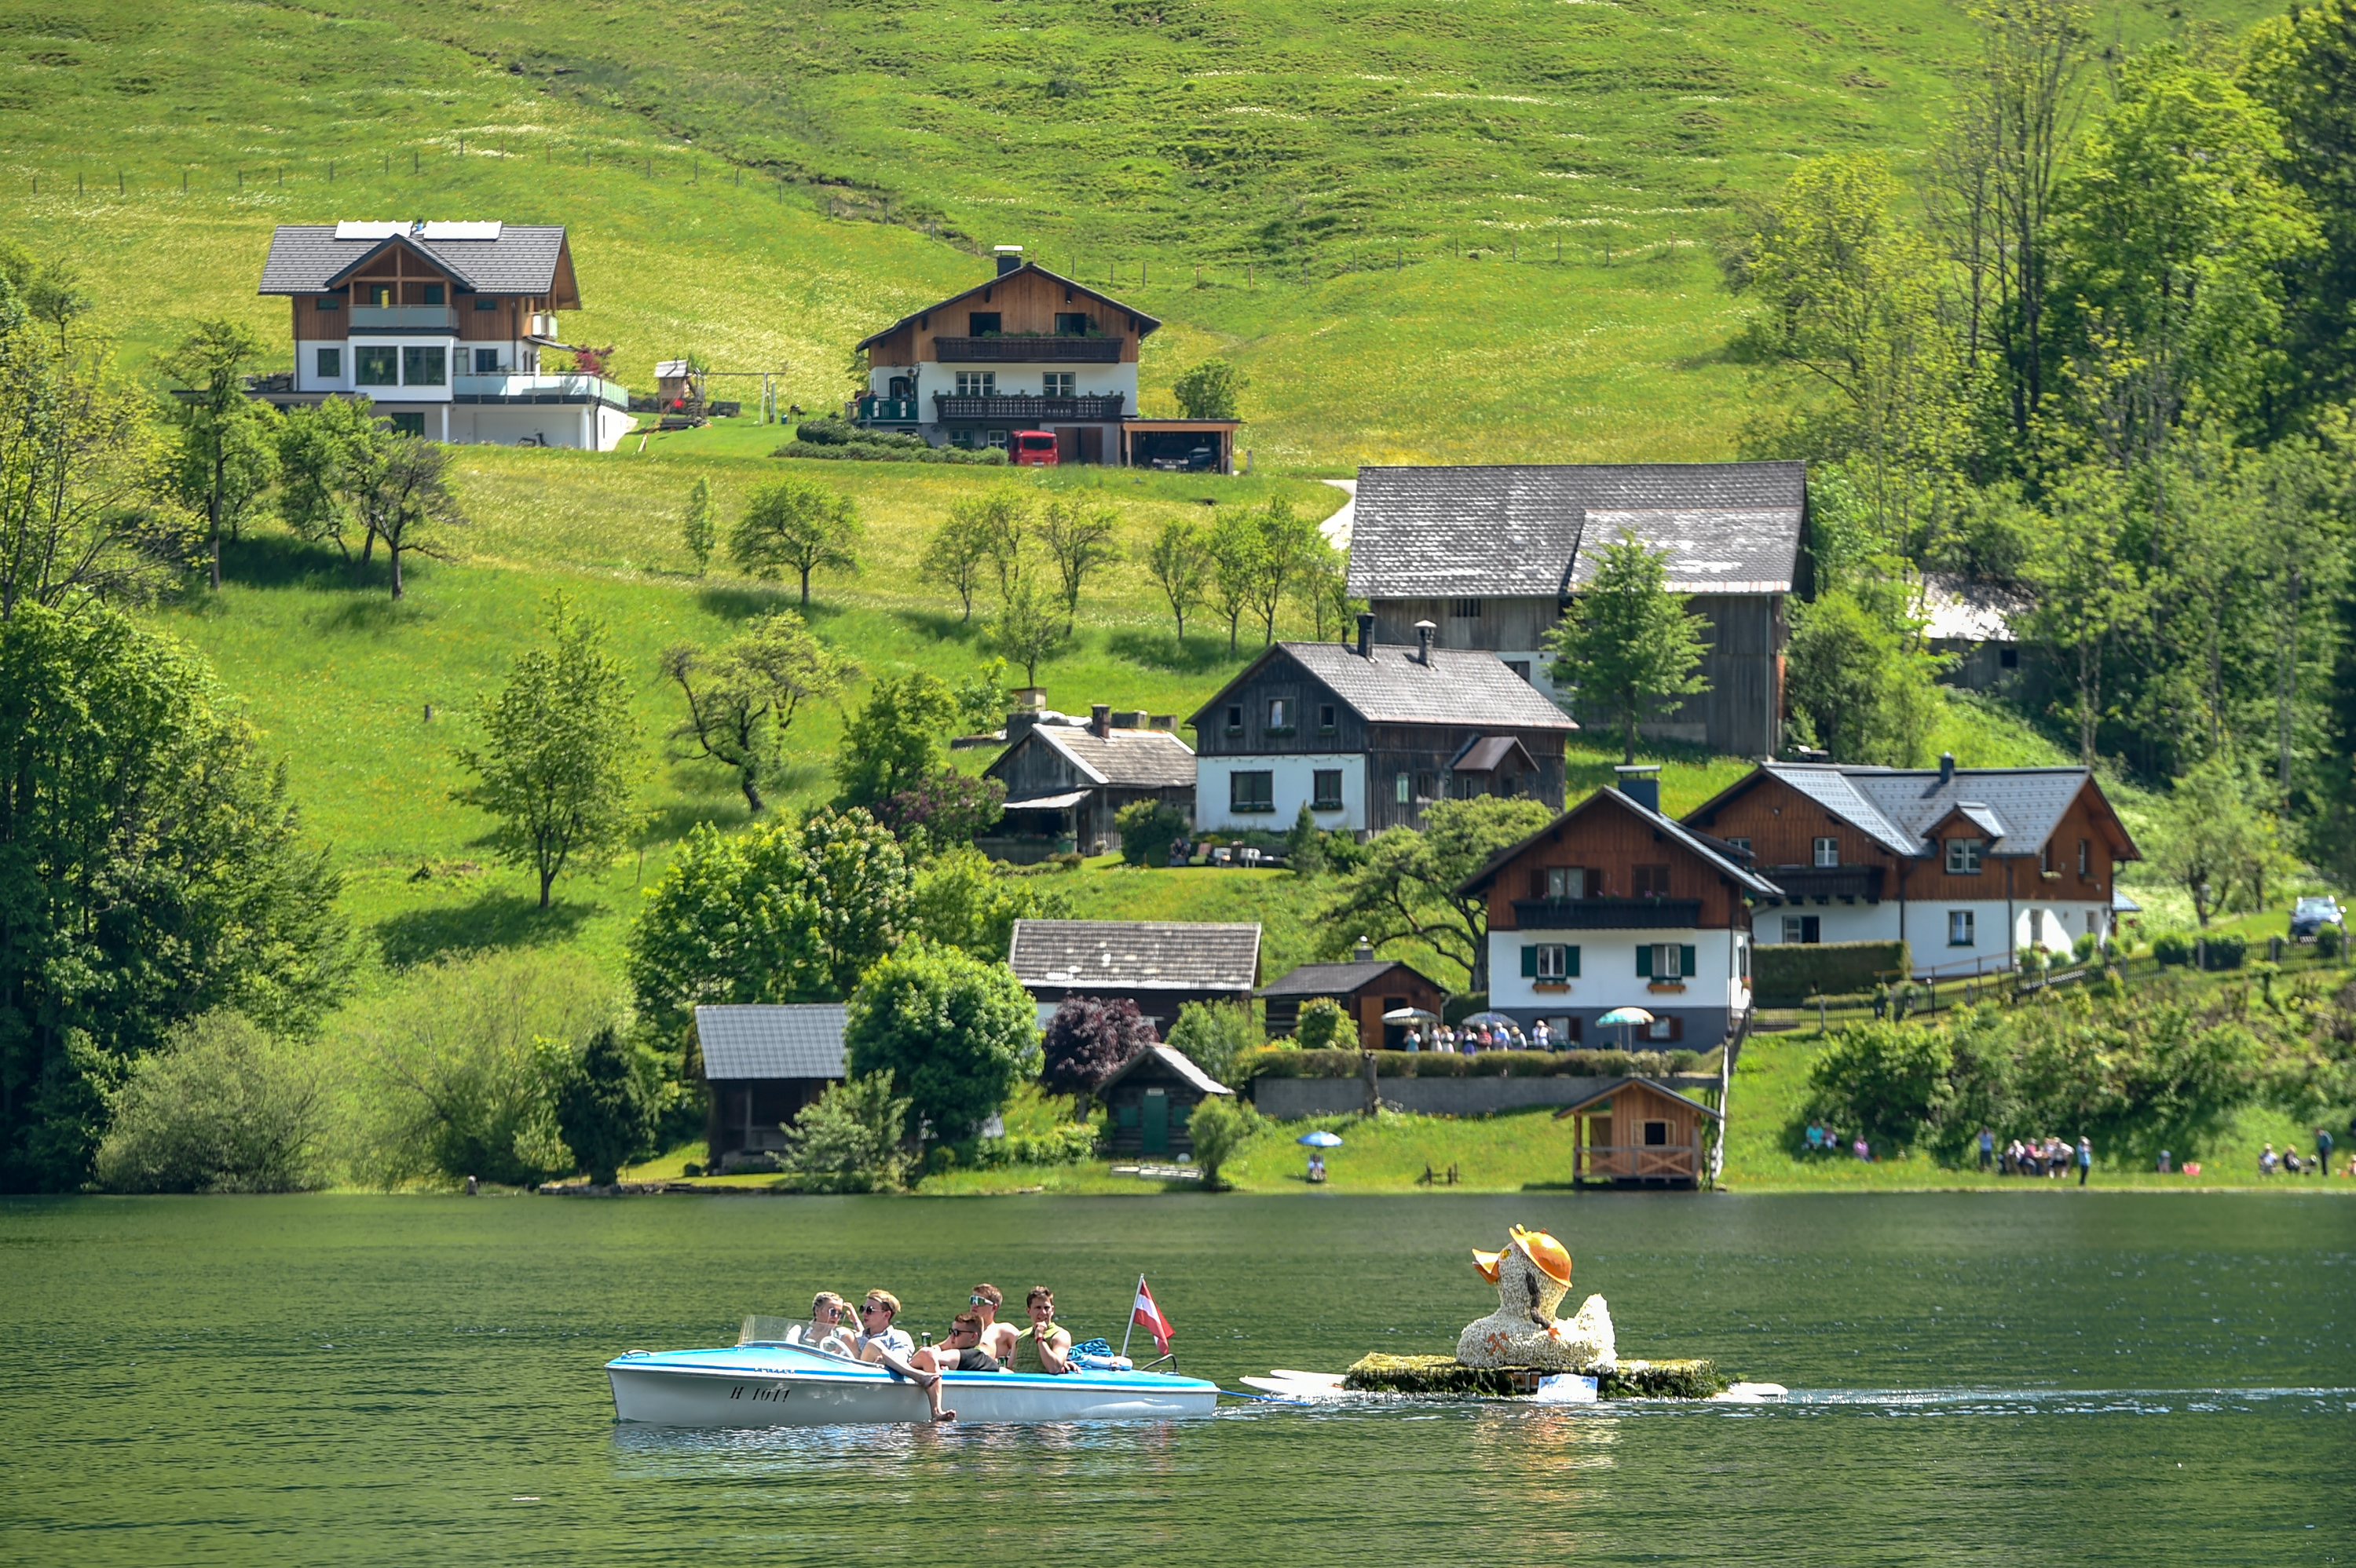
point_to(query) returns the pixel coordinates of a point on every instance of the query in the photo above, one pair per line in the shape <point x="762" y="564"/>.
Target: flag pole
<point x="1125" y="1333"/>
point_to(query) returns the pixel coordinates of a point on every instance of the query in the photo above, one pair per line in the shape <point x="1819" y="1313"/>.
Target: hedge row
<point x="1787" y="974"/>
<point x="1279" y="1062"/>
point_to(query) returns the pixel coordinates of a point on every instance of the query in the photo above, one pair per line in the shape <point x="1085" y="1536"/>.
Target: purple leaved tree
<point x="1088" y="1040"/>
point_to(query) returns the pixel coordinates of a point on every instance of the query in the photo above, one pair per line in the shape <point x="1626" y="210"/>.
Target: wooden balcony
<point x="1662" y="1163"/>
<point x="1028" y="410"/>
<point x="1027" y="350"/>
<point x="1607" y="915"/>
<point x="1824" y="883"/>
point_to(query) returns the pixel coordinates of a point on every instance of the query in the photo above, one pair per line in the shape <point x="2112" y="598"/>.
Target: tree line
<point x="2108" y="360"/>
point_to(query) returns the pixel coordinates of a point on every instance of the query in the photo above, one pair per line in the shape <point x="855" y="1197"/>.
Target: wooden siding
<point x="1026" y="303"/>
<point x="1034" y="768"/>
<point x="1402" y="987"/>
<point x="1504" y="625"/>
<point x="1609" y="843"/>
<point x="1611" y="1146"/>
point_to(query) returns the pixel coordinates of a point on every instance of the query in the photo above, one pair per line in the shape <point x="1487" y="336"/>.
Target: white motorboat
<point x="776" y="1384"/>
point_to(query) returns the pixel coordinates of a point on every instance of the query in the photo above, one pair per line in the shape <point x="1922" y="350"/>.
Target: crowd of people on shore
<point x="976" y="1342"/>
<point x="2289" y="1163"/>
<point x="2051" y="1156"/>
<point x="1475" y="1036"/>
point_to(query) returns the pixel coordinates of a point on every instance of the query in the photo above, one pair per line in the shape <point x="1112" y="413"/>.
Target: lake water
<point x="2051" y="1377"/>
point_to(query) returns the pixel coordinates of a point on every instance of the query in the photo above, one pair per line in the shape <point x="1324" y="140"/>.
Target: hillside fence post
<point x="119" y="188"/>
<point x="413" y="164"/>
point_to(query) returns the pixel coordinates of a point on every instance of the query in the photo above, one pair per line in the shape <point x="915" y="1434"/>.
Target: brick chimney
<point x="1101" y="720"/>
<point x="1010" y="257"/>
<point x="1365" y="634"/>
<point x="1424" y="630"/>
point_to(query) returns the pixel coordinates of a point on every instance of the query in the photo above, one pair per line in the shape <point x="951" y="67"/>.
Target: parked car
<point x="2311" y="914"/>
<point x="1033" y="448"/>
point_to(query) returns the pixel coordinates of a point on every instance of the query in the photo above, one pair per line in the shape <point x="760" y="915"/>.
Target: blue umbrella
<point x="1320" y="1139"/>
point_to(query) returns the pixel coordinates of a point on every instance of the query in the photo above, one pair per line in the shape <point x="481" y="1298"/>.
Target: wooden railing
<point x="1616" y="1162"/>
<point x="1017" y="406"/>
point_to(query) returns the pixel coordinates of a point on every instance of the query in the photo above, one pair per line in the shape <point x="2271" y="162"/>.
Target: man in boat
<point x="997" y="1337"/>
<point x="1051" y="1342"/>
<point x="892" y="1349"/>
<point x="960" y="1352"/>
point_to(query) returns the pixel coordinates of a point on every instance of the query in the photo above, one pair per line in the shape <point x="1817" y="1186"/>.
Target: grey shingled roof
<point x="1460" y="687"/>
<point x="1701" y="844"/>
<point x="1137" y="955"/>
<point x="307" y="258"/>
<point x="2019" y="807"/>
<point x="1513" y="530"/>
<point x="803" y="1039"/>
<point x="1331" y="979"/>
<point x="1173" y="1059"/>
<point x="1136" y="759"/>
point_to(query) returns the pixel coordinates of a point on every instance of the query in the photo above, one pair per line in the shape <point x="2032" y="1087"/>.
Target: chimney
<point x="1010" y="257"/>
<point x="1640" y="782"/>
<point x="1101" y="720"/>
<point x="1364" y="951"/>
<point x="1946" y="767"/>
<point x="1424" y="631"/>
<point x="1020" y="723"/>
<point x="1365" y="634"/>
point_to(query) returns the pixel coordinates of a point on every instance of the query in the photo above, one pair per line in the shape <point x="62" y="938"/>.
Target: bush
<point x="1147" y="829"/>
<point x="1304" y="847"/>
<point x="1072" y="1143"/>
<point x="1088" y="1039"/>
<point x="956" y="1033"/>
<point x="1887" y="1080"/>
<point x="1325" y="1025"/>
<point x="1215" y="1037"/>
<point x="1220" y="1126"/>
<point x="1787" y="974"/>
<point x="868" y="449"/>
<point x="850" y="1140"/>
<point x="1281" y="1061"/>
<point x="2327" y="941"/>
<point x="605" y="1109"/>
<point x="833" y="429"/>
<point x="2172" y="947"/>
<point x="221" y="1107"/>
<point x="2227" y="952"/>
<point x="964" y="899"/>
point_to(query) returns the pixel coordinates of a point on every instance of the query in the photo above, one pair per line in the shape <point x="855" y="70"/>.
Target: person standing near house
<point x="1988" y="1149"/>
<point x="2085" y="1157"/>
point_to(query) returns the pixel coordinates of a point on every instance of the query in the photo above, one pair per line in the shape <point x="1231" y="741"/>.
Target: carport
<point x="1144" y="443"/>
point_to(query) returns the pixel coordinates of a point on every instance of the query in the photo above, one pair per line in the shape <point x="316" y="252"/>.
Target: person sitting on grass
<point x="1050" y="1340"/>
<point x="891" y="1348"/>
<point x="2268" y="1161"/>
<point x="960" y="1352"/>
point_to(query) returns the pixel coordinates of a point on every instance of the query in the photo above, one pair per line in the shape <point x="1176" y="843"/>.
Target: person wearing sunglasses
<point x="891" y="1348"/>
<point x="997" y="1337"/>
<point x="829" y="1328"/>
<point x="962" y="1352"/>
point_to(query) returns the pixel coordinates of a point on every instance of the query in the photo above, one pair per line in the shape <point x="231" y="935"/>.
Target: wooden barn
<point x="1065" y="785"/>
<point x="763" y="1064"/>
<point x="1367" y="986"/>
<point x="1638" y="1134"/>
<point x="1151" y="1100"/>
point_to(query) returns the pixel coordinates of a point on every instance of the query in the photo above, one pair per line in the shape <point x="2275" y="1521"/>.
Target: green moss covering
<point x="1379" y="1373"/>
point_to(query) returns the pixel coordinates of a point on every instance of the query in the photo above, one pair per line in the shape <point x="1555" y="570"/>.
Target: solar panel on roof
<point x="463" y="231"/>
<point x="352" y="231"/>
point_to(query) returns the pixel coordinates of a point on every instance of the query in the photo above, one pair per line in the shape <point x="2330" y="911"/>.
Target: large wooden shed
<point x="1637" y="1134"/>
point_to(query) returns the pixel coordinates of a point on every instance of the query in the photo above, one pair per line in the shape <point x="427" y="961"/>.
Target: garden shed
<point x="1152" y="1099"/>
<point x="1366" y="987"/>
<point x="1637" y="1133"/>
<point x="763" y="1064"/>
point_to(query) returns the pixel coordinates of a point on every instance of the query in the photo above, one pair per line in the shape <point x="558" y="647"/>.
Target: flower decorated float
<point x="1523" y="1350"/>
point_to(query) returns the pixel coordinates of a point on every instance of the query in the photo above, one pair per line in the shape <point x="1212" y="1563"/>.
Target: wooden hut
<point x="1367" y="987"/>
<point x="1637" y="1134"/>
<point x="1152" y="1098"/>
<point x="763" y="1064"/>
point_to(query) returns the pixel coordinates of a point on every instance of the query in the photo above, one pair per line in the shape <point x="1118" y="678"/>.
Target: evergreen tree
<point x="1627" y="646"/>
<point x="695" y="530"/>
<point x="606" y="1108"/>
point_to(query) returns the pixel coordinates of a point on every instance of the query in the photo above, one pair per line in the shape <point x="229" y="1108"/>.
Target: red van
<point x="1032" y="449"/>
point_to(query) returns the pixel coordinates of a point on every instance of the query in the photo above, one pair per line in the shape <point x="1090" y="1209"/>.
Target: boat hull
<point x="753" y="1386"/>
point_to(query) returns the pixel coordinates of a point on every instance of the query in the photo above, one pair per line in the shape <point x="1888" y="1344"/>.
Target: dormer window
<point x="1964" y="856"/>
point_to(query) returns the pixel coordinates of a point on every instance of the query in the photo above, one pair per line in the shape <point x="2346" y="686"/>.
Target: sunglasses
<point x="980" y="1301"/>
<point x="874" y="1307"/>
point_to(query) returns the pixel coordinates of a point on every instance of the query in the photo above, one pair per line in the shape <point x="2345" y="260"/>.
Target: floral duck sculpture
<point x="1532" y="1274"/>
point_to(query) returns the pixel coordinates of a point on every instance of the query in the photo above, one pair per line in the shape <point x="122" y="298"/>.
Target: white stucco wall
<point x="1292" y="785"/>
<point x="1607" y="971"/>
<point x="1926" y="929"/>
<point x="1013" y="381"/>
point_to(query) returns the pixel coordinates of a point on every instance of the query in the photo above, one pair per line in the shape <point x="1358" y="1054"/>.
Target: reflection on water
<point x="371" y="1382"/>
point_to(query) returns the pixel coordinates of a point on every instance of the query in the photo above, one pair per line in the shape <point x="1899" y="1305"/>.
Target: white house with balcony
<point x="443" y="326"/>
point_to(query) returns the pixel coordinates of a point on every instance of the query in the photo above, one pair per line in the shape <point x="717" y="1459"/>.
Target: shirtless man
<point x="997" y="1337"/>
<point x="892" y="1348"/>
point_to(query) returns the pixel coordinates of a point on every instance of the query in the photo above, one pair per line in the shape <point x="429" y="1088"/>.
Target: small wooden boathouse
<point x="1637" y="1134"/>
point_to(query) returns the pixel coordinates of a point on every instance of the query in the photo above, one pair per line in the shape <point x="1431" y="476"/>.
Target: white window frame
<point x="1058" y="384"/>
<point x="977" y="383"/>
<point x="1962" y="929"/>
<point x="1554" y="961"/>
<point x="1670" y="962"/>
<point x="1826" y="853"/>
<point x="1964" y="856"/>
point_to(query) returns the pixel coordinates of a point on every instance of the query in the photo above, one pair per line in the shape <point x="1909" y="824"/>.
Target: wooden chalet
<point x="1064" y="785"/>
<point x="1639" y="1133"/>
<point x="1160" y="965"/>
<point x="1967" y="866"/>
<point x="1367" y="736"/>
<point x="1152" y="1098"/>
<point x="1615" y="905"/>
<point x="1492" y="556"/>
<point x="1028" y="349"/>
<point x="443" y="326"/>
<point x="1367" y="986"/>
<point x="762" y="1064"/>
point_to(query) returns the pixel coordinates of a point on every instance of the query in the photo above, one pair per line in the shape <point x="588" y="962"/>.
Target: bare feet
<point x="945" y="1415"/>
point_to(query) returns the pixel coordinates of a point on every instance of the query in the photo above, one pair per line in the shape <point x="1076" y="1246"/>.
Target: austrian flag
<point x="1147" y="1316"/>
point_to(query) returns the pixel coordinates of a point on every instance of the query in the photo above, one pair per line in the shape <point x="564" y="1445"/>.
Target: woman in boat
<point x="826" y="1330"/>
<point x="1049" y="1341"/>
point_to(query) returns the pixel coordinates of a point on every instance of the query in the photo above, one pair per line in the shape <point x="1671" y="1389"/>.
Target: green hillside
<point x="1400" y="178"/>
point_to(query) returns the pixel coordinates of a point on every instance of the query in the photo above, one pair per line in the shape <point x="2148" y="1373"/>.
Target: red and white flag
<point x="1146" y="1315"/>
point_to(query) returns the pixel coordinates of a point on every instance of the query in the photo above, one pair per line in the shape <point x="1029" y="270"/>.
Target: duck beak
<point x="1487" y="1264"/>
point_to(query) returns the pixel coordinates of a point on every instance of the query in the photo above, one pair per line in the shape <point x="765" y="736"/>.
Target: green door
<point x="1157" y="1122"/>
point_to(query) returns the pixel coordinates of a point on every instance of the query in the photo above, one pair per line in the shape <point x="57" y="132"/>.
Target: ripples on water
<point x="2025" y="1380"/>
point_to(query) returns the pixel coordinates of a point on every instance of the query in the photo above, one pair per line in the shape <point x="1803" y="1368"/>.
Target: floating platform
<point x="1379" y="1373"/>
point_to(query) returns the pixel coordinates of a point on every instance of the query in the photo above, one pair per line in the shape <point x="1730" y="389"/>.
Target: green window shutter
<point x="1643" y="961"/>
<point x="1530" y="962"/>
<point x="1687" y="969"/>
<point x="1570" y="962"/>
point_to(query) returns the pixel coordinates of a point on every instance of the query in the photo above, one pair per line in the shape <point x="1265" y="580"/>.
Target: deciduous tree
<point x="1079" y="536"/>
<point x="695" y="530"/>
<point x="1088" y="1039"/>
<point x="741" y="701"/>
<point x="404" y="497"/>
<point x="893" y="742"/>
<point x="1209" y="390"/>
<point x="797" y="525"/>
<point x="559" y="763"/>
<point x="228" y="453"/>
<point x="1179" y="559"/>
<point x="1406" y="888"/>
<point x="1628" y="648"/>
<point x="956" y="1033"/>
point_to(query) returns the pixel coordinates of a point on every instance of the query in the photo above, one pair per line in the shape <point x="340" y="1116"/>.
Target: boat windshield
<point x="761" y="1330"/>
